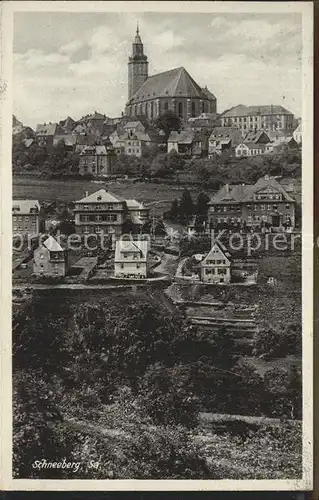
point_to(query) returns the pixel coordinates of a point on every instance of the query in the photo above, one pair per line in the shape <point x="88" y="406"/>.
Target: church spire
<point x="137" y="65"/>
<point x="137" y="40"/>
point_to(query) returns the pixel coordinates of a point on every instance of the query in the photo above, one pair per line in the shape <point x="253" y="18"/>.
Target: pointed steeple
<point x="137" y="65"/>
<point x="137" y="44"/>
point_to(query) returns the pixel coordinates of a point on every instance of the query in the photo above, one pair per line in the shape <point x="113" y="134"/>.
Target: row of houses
<point x="265" y="203"/>
<point x="192" y="143"/>
<point x="100" y="212"/>
<point x="51" y="259"/>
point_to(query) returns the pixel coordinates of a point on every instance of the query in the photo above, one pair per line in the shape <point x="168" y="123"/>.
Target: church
<point x="175" y="90"/>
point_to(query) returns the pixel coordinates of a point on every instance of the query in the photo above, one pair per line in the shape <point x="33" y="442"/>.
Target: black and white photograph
<point x="158" y="214"/>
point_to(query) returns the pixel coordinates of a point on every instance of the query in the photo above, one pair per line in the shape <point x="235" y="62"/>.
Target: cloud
<point x="83" y="67"/>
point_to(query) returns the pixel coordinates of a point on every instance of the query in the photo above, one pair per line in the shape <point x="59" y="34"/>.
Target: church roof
<point x="175" y="82"/>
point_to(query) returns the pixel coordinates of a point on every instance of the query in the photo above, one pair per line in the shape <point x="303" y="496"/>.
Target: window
<point x="287" y="206"/>
<point x="250" y="218"/>
<point x="221" y="271"/>
<point x="129" y="150"/>
<point x="14" y="219"/>
<point x="86" y="229"/>
<point x="138" y="266"/>
<point x="98" y="229"/>
<point x="255" y="207"/>
<point x="218" y="262"/>
<point x="122" y="266"/>
<point x="263" y="207"/>
<point x="125" y="255"/>
<point x="257" y="218"/>
<point x="208" y="271"/>
<point x="269" y="207"/>
<point x="180" y="109"/>
<point x="193" y="109"/>
<point x="85" y="207"/>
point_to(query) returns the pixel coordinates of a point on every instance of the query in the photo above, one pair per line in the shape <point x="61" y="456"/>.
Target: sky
<point x="72" y="64"/>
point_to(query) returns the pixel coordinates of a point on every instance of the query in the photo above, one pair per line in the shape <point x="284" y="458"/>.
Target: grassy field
<point x="72" y="190"/>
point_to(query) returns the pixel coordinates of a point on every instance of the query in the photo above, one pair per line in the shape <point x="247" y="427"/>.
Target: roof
<point x="28" y="142"/>
<point x="225" y="132"/>
<point x="208" y="93"/>
<point x="94" y="116"/>
<point x="51" y="244"/>
<point x="254" y="136"/>
<point x="265" y="182"/>
<point x="237" y="193"/>
<point x="129" y="246"/>
<point x="242" y="110"/>
<point x="94" y="150"/>
<point x="46" y="128"/>
<point x="252" y="145"/>
<point x="175" y="82"/>
<point x="26" y="205"/>
<point x="133" y="124"/>
<point x="275" y="134"/>
<point x="102" y="196"/>
<point x="212" y="255"/>
<point x="134" y="204"/>
<point x="184" y="136"/>
<point x="298" y="130"/>
<point x="112" y="121"/>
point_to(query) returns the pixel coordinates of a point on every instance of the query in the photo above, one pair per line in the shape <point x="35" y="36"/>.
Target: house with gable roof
<point x="223" y="138"/>
<point x="50" y="259"/>
<point x="101" y="212"/>
<point x="264" y="204"/>
<point x="215" y="267"/>
<point x="131" y="259"/>
<point x="25" y="216"/>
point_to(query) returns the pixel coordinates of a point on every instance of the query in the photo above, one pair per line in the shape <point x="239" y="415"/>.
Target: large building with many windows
<point x="175" y="89"/>
<point x="25" y="216"/>
<point x="251" y="118"/>
<point x="264" y="204"/>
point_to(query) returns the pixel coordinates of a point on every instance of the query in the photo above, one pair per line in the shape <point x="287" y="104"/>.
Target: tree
<point x="167" y="122"/>
<point x="38" y="431"/>
<point x="186" y="206"/>
<point x="283" y="393"/>
<point x="202" y="206"/>
<point x="166" y="395"/>
<point x="174" y="211"/>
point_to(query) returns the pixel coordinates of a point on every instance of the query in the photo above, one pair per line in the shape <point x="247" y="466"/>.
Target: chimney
<point x="86" y="194"/>
<point x="227" y="188"/>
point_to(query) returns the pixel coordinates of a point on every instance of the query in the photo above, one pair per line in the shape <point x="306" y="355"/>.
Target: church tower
<point x="137" y="66"/>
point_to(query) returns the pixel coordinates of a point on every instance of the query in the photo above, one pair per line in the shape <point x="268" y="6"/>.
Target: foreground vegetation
<point x="141" y="381"/>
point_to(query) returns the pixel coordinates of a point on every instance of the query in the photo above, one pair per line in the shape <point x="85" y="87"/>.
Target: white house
<point x="249" y="149"/>
<point x="297" y="135"/>
<point x="131" y="259"/>
<point x="215" y="267"/>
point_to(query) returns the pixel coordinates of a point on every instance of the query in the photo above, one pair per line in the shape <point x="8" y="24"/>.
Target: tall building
<point x="137" y="66"/>
<point x="176" y="90"/>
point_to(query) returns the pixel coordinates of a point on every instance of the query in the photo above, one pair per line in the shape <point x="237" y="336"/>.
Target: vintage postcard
<point x="157" y="245"/>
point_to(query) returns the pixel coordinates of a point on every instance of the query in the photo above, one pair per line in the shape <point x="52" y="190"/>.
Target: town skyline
<point x="82" y="67"/>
